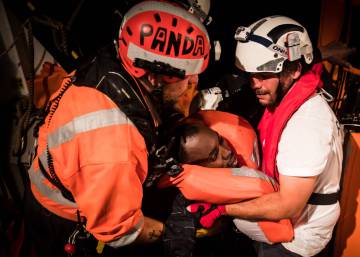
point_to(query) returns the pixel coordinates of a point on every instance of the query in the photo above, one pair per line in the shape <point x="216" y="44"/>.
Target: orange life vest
<point x="231" y="185"/>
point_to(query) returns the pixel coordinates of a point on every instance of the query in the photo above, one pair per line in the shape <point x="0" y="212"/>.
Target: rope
<point x="24" y="120"/>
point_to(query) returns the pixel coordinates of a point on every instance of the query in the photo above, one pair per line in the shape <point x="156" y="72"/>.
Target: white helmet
<point x="267" y="43"/>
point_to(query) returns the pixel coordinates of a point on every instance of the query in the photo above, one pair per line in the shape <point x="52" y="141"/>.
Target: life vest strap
<point x="324" y="199"/>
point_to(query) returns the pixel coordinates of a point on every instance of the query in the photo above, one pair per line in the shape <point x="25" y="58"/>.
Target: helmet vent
<point x="157" y="17"/>
<point x="258" y="24"/>
<point x="280" y="30"/>
<point x="190" y="29"/>
<point x="174" y="22"/>
<point x="129" y="31"/>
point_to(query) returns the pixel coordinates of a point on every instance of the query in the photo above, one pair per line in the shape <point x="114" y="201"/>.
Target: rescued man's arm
<point x="288" y="202"/>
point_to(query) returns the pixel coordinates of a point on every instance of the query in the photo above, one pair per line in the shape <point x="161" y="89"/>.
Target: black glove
<point x="161" y="162"/>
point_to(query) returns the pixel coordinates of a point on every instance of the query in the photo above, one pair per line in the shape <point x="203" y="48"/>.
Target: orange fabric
<point x="220" y="186"/>
<point x="331" y="21"/>
<point x="103" y="168"/>
<point x="280" y="231"/>
<point x="348" y="230"/>
<point x="47" y="82"/>
<point x="216" y="185"/>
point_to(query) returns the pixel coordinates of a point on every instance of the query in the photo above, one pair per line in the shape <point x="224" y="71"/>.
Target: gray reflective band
<point x="248" y="172"/>
<point x="37" y="178"/>
<point x="129" y="237"/>
<point x="251" y="229"/>
<point x="43" y="160"/>
<point x="271" y="66"/>
<point x="191" y="66"/>
<point x="85" y="123"/>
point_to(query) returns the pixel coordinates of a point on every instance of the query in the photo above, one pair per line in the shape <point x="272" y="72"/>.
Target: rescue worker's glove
<point x="208" y="213"/>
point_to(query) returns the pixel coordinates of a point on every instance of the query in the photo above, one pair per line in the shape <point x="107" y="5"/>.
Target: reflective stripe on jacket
<point x="100" y="157"/>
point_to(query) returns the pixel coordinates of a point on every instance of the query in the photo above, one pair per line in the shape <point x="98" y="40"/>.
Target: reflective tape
<point x="252" y="230"/>
<point x="248" y="172"/>
<point x="191" y="66"/>
<point x="85" y="123"/>
<point x="129" y="237"/>
<point x="54" y="194"/>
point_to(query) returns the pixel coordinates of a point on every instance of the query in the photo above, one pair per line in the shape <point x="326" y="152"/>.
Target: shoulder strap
<point x="106" y="74"/>
<point x="324" y="199"/>
<point x="53" y="178"/>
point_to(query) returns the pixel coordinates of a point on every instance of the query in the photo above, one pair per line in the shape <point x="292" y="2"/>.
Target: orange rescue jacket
<point x="99" y="156"/>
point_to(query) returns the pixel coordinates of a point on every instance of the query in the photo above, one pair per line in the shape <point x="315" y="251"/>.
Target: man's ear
<point x="297" y="73"/>
<point x="151" y="78"/>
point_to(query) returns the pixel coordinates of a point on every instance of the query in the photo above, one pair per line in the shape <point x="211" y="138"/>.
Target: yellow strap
<point x="100" y="247"/>
<point x="201" y="232"/>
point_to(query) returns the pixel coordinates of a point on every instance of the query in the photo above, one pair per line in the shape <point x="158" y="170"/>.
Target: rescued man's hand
<point x="209" y="213"/>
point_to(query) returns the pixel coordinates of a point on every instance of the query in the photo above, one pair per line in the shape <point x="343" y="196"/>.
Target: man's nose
<point x="193" y="79"/>
<point x="255" y="83"/>
<point x="226" y="153"/>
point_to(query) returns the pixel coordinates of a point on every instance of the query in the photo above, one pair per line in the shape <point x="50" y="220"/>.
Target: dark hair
<point x="291" y="67"/>
<point x="180" y="135"/>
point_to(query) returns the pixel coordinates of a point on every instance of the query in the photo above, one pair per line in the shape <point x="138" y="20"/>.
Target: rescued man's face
<point x="207" y="148"/>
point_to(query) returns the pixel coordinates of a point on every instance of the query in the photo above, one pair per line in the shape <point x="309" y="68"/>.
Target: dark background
<point x="84" y="26"/>
<point x="89" y="25"/>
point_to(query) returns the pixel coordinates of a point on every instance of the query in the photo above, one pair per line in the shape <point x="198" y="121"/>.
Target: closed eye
<point x="213" y="154"/>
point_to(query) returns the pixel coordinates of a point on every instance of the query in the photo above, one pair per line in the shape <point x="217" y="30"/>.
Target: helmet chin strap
<point x="155" y="91"/>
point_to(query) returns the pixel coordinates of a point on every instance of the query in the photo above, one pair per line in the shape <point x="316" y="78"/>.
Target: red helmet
<point x="162" y="38"/>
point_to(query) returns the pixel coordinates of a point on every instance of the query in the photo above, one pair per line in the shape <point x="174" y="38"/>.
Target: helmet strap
<point x="149" y="82"/>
